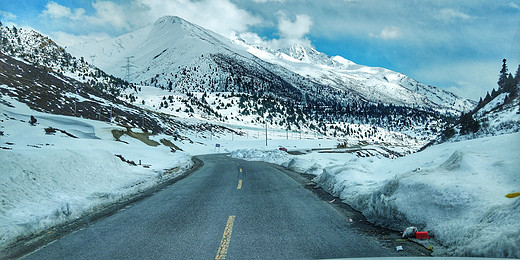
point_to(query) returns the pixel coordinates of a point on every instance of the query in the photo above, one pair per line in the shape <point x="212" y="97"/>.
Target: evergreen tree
<point x="487" y="98"/>
<point x="517" y="75"/>
<point x="494" y="93"/>
<point x="510" y="85"/>
<point x="468" y="124"/>
<point x="503" y="76"/>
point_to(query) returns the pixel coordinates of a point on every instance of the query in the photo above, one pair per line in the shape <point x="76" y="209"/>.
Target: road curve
<point x="229" y="209"/>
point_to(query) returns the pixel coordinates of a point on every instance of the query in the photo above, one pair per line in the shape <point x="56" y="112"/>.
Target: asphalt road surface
<point x="229" y="209"/>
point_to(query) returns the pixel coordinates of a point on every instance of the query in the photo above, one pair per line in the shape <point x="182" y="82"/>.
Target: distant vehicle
<point x="282" y="149"/>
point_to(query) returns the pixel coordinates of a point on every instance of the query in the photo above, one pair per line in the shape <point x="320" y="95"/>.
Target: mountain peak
<point x="299" y="52"/>
<point x="169" y="19"/>
<point x="312" y="56"/>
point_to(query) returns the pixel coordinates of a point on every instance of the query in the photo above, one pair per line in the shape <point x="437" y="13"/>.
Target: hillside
<point x="184" y="58"/>
<point x="377" y="85"/>
<point x="496" y="114"/>
<point x="41" y="51"/>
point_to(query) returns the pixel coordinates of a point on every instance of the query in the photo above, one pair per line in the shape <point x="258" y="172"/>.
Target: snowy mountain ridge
<point x="32" y="47"/>
<point x="267" y="99"/>
<point x="173" y="45"/>
<point x="371" y="83"/>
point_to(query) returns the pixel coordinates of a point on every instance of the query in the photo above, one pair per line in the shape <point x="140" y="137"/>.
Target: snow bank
<point x="456" y="191"/>
<point x="272" y="156"/>
<point x="48" y="179"/>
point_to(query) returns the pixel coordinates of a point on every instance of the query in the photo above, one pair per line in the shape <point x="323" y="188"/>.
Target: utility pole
<point x="75" y="102"/>
<point x="128" y="67"/>
<point x="265" y="120"/>
<point x="265" y="132"/>
<point x="92" y="57"/>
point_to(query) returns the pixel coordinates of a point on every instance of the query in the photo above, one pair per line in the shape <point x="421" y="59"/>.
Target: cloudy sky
<point x="457" y="44"/>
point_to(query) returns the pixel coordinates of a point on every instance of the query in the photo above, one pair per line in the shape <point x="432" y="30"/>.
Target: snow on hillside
<point x="162" y="48"/>
<point x="498" y="117"/>
<point x="32" y="47"/>
<point x="173" y="50"/>
<point x="224" y="108"/>
<point x="50" y="179"/>
<point x="373" y="84"/>
<point x="456" y="191"/>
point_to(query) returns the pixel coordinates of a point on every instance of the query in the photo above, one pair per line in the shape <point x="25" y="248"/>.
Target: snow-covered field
<point x="48" y="179"/>
<point x="456" y="191"/>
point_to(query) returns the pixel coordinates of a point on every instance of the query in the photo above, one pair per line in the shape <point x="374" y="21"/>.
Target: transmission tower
<point x="129" y="65"/>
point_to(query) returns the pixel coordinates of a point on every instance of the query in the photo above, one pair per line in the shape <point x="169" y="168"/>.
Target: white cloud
<point x="7" y="16"/>
<point x="106" y="13"/>
<point x="294" y="30"/>
<point x="57" y="11"/>
<point x="387" y="33"/>
<point x="290" y="32"/>
<point x="513" y="5"/>
<point x="450" y="14"/>
<point x="221" y="16"/>
<point x="109" y="12"/>
<point x="252" y="38"/>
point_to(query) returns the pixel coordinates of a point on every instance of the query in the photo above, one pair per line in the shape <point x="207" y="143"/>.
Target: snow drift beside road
<point x="46" y="180"/>
<point x="456" y="191"/>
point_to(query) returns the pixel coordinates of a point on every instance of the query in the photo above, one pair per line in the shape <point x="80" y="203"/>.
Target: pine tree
<point x="494" y="93"/>
<point x="503" y="75"/>
<point x="510" y="84"/>
<point x="468" y="124"/>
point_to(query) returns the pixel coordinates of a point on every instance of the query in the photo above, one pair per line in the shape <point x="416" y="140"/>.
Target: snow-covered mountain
<point x="39" y="50"/>
<point x="39" y="73"/>
<point x="173" y="52"/>
<point x="373" y="84"/>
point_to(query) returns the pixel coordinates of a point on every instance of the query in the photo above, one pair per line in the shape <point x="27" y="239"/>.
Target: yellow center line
<point x="239" y="185"/>
<point x="240" y="169"/>
<point x="226" y="238"/>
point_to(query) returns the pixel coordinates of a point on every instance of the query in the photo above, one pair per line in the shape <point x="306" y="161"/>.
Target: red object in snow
<point x="421" y="235"/>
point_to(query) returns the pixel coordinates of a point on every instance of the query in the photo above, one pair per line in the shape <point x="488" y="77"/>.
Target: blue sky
<point x="457" y="45"/>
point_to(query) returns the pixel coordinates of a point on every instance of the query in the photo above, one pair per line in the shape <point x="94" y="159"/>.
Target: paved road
<point x="229" y="209"/>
